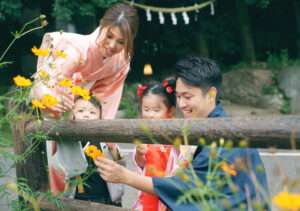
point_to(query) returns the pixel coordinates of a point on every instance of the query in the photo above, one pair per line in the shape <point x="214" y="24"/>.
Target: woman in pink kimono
<point x="98" y="62"/>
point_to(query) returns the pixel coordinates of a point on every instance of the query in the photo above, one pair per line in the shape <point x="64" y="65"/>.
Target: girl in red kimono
<point x="157" y="102"/>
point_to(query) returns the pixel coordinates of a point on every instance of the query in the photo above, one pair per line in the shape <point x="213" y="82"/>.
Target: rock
<point x="289" y="82"/>
<point x="252" y="87"/>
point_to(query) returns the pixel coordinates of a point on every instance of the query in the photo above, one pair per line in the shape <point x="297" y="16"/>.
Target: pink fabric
<point x="83" y="56"/>
<point x="84" y="59"/>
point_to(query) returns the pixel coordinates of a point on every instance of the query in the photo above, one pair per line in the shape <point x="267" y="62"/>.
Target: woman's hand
<point x="110" y="171"/>
<point x="65" y="100"/>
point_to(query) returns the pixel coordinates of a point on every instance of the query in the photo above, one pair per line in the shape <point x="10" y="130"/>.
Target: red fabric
<point x="156" y="163"/>
<point x="57" y="180"/>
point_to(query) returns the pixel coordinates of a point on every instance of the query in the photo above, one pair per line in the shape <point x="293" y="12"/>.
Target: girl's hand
<point x="110" y="171"/>
<point x="113" y="148"/>
<point x="141" y="149"/>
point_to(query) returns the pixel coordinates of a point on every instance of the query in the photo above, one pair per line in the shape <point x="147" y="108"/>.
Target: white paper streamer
<point x="186" y="18"/>
<point x="173" y="18"/>
<point x="148" y="14"/>
<point x="161" y="18"/>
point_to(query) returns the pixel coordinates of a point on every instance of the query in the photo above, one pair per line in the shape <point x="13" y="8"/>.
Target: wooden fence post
<point x="33" y="168"/>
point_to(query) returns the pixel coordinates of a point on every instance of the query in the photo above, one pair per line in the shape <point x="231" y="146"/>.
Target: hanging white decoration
<point x="212" y="8"/>
<point x="164" y="10"/>
<point x="161" y="18"/>
<point x="174" y="19"/>
<point x="186" y="18"/>
<point x="148" y="14"/>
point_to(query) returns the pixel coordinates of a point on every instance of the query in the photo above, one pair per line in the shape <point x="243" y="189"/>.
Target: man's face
<point x="192" y="101"/>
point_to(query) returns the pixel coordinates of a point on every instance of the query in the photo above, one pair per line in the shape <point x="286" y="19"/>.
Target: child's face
<point x="85" y="110"/>
<point x="192" y="101"/>
<point x="153" y="107"/>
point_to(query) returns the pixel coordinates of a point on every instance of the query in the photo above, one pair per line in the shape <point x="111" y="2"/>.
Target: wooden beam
<point x="78" y="205"/>
<point x="263" y="132"/>
<point x="32" y="167"/>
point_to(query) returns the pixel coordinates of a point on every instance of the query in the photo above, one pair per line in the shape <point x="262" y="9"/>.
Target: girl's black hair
<point x="165" y="89"/>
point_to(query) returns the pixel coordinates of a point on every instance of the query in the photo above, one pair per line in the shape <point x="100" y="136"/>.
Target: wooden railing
<point x="282" y="132"/>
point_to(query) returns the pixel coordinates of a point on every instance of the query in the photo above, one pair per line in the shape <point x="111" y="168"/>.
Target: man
<point x="198" y="82"/>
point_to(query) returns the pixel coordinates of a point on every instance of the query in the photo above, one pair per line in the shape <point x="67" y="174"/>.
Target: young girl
<point x="157" y="101"/>
<point x="94" y="187"/>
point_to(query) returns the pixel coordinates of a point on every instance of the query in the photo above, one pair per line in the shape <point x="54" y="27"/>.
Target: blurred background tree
<point x="241" y="31"/>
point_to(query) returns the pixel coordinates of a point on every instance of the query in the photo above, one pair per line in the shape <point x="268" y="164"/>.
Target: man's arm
<point x="110" y="171"/>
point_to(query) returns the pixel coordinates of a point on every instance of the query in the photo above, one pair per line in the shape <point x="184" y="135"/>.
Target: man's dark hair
<point x="200" y="72"/>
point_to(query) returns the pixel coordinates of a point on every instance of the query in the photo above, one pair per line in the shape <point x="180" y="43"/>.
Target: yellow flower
<point x="40" y="52"/>
<point x="177" y="142"/>
<point x="43" y="74"/>
<point x="60" y="53"/>
<point x="90" y="150"/>
<point x="287" y="201"/>
<point x="76" y="90"/>
<point x="86" y="97"/>
<point x="84" y="93"/>
<point x="49" y="101"/>
<point x="65" y="83"/>
<point x="21" y="81"/>
<point x="183" y="176"/>
<point x="93" y="152"/>
<point x="37" y="104"/>
<point x="229" y="169"/>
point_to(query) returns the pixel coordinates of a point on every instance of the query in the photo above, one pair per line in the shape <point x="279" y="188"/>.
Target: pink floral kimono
<point x="103" y="77"/>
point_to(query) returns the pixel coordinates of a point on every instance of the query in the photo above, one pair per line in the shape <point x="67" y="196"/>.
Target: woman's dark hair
<point x="125" y="17"/>
<point x="165" y="89"/>
<point x="200" y="72"/>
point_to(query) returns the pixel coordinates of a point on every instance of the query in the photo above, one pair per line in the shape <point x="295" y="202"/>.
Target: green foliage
<point x="278" y="61"/>
<point x="10" y="8"/>
<point x="65" y="10"/>
<point x="130" y="102"/>
<point x="259" y="3"/>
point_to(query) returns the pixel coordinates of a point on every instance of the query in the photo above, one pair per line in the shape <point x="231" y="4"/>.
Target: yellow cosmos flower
<point x="21" y="81"/>
<point x="43" y="74"/>
<point x="78" y="91"/>
<point x="86" y="97"/>
<point x="60" y="53"/>
<point x="40" y="52"/>
<point x="65" y="83"/>
<point x="177" y="142"/>
<point x="49" y="101"/>
<point x="287" y="201"/>
<point x="229" y="169"/>
<point x="37" y="104"/>
<point x="93" y="152"/>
